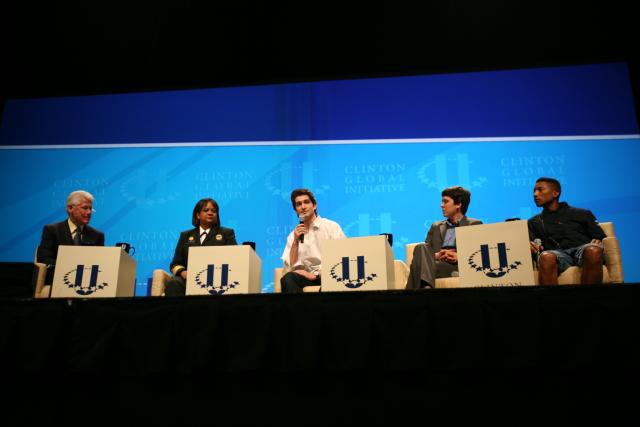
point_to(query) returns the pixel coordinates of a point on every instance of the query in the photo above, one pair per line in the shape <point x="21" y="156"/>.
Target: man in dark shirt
<point x="562" y="236"/>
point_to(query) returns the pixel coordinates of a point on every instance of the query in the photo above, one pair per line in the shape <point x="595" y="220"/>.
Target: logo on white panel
<point x="206" y="279"/>
<point x="480" y="260"/>
<point x="443" y="171"/>
<point x="342" y="272"/>
<point x="84" y="284"/>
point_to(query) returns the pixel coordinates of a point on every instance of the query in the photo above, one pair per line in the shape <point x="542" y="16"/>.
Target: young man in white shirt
<point x="301" y="256"/>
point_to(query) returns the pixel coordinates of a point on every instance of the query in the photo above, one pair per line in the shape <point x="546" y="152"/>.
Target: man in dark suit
<point x="437" y="256"/>
<point x="207" y="232"/>
<point x="75" y="230"/>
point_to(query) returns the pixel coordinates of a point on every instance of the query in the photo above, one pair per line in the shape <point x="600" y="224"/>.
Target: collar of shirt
<point x="316" y="222"/>
<point x="561" y="208"/>
<point x="72" y="227"/>
<point x="206" y="232"/>
<point x="451" y="224"/>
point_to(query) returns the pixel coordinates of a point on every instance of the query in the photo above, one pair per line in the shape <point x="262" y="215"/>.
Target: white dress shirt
<point x="203" y="236"/>
<point x="73" y="228"/>
<point x="309" y="251"/>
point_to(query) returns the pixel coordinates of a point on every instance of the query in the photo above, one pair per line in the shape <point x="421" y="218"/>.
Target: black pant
<point x="51" y="271"/>
<point x="292" y="283"/>
<point x="175" y="287"/>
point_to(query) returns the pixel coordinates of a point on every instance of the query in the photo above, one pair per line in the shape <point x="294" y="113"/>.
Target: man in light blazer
<point x="75" y="230"/>
<point x="437" y="256"/>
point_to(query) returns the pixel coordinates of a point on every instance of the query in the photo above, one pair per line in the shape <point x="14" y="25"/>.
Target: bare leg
<point x="592" y="265"/>
<point x="548" y="269"/>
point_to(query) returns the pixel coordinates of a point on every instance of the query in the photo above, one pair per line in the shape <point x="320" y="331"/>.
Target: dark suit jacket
<point x="191" y="238"/>
<point x="435" y="236"/>
<point x="54" y="235"/>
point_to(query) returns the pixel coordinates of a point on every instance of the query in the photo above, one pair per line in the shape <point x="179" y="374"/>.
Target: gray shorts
<point x="569" y="257"/>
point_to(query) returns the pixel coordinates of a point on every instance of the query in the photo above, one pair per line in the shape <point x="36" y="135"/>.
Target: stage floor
<point x="376" y="355"/>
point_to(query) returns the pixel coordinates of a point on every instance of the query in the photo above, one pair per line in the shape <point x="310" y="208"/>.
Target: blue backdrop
<point x="376" y="152"/>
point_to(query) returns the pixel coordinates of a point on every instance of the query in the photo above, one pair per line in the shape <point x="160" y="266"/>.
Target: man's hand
<point x="306" y="274"/>
<point x="535" y="248"/>
<point x="183" y="274"/>
<point x="299" y="231"/>
<point x="447" y="255"/>
<point x="451" y="256"/>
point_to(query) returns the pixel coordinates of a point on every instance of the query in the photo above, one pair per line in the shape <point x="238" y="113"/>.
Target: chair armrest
<point x="401" y="273"/>
<point x="613" y="259"/>
<point x="277" y="275"/>
<point x="409" y="248"/>
<point x="607" y="228"/>
<point x="39" y="285"/>
<point x="158" y="282"/>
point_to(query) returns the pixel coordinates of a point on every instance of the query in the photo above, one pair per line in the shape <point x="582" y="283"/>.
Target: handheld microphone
<point x="302" y="217"/>
<point x="538" y="243"/>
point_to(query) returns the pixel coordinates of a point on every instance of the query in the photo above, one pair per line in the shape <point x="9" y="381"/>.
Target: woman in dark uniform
<point x="207" y="232"/>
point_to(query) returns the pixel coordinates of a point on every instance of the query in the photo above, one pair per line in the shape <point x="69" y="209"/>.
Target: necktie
<point x="76" y="236"/>
<point x="203" y="236"/>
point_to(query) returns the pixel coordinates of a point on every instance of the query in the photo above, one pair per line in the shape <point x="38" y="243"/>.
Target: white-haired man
<point x="74" y="230"/>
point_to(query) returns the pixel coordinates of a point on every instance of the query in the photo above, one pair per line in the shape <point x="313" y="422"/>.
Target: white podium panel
<point x="357" y="264"/>
<point x="217" y="270"/>
<point x="494" y="255"/>
<point x="93" y="272"/>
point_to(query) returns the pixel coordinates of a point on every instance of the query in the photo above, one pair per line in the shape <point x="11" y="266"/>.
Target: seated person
<point x="562" y="236"/>
<point x="437" y="256"/>
<point x="75" y="230"/>
<point x="301" y="256"/>
<point x="207" y="232"/>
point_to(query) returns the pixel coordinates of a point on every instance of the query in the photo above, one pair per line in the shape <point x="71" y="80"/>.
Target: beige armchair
<point x="611" y="270"/>
<point x="401" y="273"/>
<point x="158" y="282"/>
<point x="41" y="290"/>
<point x="443" y="282"/>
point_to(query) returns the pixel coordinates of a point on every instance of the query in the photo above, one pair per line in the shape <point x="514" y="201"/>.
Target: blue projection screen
<point x="376" y="152"/>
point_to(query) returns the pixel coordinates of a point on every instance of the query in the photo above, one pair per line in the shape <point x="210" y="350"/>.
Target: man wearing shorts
<point x="562" y="236"/>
